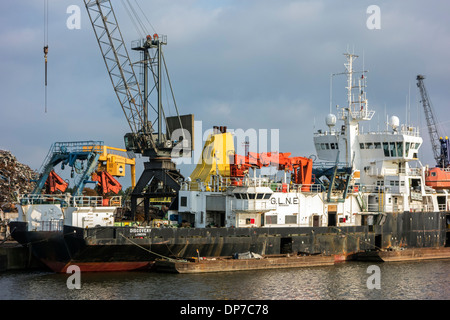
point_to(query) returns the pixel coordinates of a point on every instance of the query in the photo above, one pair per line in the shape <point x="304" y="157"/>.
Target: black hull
<point x="122" y="248"/>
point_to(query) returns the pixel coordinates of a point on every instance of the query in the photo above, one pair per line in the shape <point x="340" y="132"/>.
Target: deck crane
<point x="439" y="144"/>
<point x="160" y="177"/>
<point x="91" y="160"/>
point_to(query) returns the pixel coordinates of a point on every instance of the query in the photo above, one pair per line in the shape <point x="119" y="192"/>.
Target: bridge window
<point x="377" y="145"/>
<point x="386" y="149"/>
<point x="392" y="149"/>
<point x="267" y="196"/>
<point x="259" y="195"/>
<point x="399" y="149"/>
<point x="237" y="195"/>
<point x="361" y="145"/>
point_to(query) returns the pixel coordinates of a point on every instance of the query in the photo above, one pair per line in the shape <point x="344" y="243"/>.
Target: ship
<point x="364" y="195"/>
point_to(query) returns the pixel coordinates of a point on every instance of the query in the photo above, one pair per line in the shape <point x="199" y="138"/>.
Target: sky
<point x="244" y="64"/>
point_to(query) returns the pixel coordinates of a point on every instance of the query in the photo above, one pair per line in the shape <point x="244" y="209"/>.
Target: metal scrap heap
<point x="15" y="178"/>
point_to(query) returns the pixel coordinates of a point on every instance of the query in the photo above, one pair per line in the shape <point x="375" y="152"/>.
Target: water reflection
<point x="345" y="281"/>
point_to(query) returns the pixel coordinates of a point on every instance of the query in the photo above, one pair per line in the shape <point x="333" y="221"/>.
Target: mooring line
<point x="157" y="254"/>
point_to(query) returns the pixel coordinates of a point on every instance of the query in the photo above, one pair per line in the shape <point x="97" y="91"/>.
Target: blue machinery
<point x="81" y="156"/>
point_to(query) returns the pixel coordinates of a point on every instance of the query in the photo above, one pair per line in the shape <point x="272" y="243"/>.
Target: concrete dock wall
<point x="13" y="256"/>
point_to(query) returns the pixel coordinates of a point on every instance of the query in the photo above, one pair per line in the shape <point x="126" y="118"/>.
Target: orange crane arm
<point x="106" y="183"/>
<point x="55" y="183"/>
<point x="300" y="166"/>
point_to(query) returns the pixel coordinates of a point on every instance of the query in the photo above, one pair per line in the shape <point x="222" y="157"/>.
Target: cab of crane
<point x="131" y="143"/>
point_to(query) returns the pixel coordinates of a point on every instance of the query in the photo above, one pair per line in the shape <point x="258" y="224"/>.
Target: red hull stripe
<point x="99" y="266"/>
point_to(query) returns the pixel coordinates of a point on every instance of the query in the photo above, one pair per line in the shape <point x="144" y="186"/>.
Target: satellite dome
<point x="331" y="120"/>
<point x="394" y="122"/>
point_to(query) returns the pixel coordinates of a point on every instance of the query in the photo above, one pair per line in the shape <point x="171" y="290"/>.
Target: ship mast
<point x="357" y="108"/>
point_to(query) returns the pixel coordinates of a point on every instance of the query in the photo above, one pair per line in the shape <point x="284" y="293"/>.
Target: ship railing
<point x="96" y="201"/>
<point x="86" y="201"/>
<point x="380" y="207"/>
<point x="419" y="207"/>
<point x="416" y="196"/>
<point x="363" y="114"/>
<point x="274" y="186"/>
<point x="29" y="199"/>
<point x="372" y="188"/>
<point x="48" y="225"/>
<point x="114" y="201"/>
<point x="409" y="130"/>
<point x="404" y="130"/>
<point x="383" y="189"/>
<point x="305" y="188"/>
<point x="410" y="171"/>
<point x="374" y="207"/>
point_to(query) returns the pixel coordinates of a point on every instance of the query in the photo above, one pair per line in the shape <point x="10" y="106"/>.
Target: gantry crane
<point x="160" y="177"/>
<point x="439" y="145"/>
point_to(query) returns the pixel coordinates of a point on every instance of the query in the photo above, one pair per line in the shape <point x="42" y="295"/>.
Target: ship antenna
<point x="331" y="90"/>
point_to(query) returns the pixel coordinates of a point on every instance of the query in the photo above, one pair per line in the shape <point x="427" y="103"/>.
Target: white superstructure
<point x="376" y="173"/>
<point x="51" y="212"/>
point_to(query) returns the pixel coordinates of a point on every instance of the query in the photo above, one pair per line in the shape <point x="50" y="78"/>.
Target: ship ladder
<point x="361" y="202"/>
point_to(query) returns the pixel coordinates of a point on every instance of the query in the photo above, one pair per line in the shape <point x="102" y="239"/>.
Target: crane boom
<point x="430" y="118"/>
<point x="438" y="144"/>
<point x="120" y="68"/>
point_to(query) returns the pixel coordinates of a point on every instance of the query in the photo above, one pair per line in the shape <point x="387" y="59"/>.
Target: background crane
<point x="439" y="145"/>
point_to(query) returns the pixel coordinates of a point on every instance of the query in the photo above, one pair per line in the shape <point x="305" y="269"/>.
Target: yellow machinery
<point x="113" y="160"/>
<point x="215" y="158"/>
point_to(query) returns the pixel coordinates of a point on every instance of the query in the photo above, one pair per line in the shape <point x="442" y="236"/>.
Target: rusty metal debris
<point x="15" y="178"/>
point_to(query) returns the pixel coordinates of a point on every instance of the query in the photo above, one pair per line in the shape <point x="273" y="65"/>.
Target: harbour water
<point x="421" y="280"/>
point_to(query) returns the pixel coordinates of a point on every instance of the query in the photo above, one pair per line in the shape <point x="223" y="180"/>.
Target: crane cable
<point x="45" y="47"/>
<point x="137" y="21"/>
<point x="142" y="11"/>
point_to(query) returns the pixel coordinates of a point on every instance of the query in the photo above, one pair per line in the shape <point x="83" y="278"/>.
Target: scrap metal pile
<point x="15" y="178"/>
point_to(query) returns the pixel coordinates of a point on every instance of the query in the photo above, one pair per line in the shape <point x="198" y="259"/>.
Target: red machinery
<point x="55" y="183"/>
<point x="300" y="167"/>
<point x="106" y="183"/>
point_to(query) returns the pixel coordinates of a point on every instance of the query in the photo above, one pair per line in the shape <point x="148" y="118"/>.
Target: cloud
<point x="242" y="64"/>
